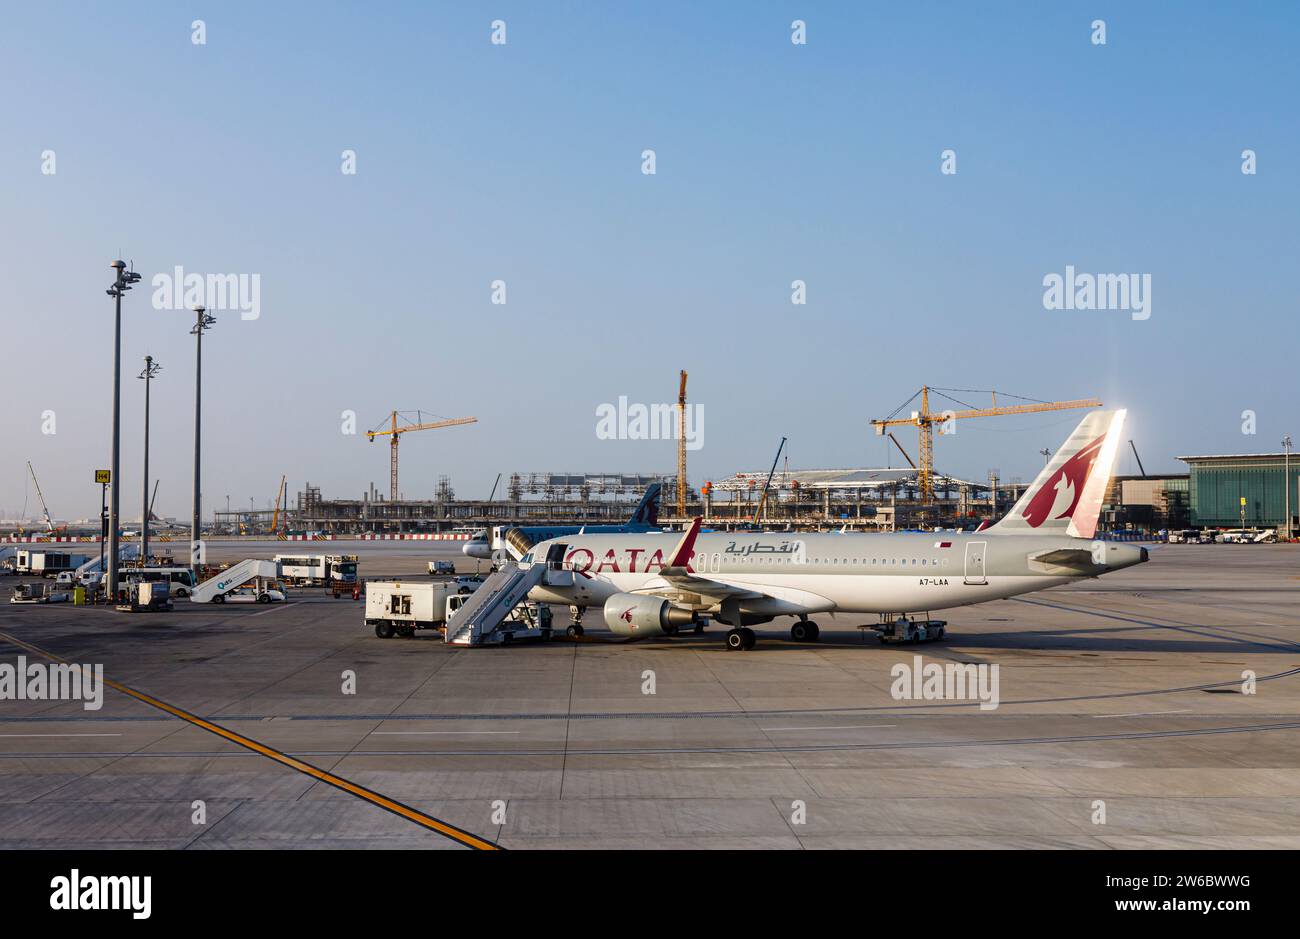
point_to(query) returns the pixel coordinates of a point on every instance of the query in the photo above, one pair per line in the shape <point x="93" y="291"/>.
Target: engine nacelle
<point x="629" y="614"/>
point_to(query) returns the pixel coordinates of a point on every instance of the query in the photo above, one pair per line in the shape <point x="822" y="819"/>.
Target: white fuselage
<point x="806" y="573"/>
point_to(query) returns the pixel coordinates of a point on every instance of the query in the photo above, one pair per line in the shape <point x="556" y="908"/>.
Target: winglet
<point x="686" y="547"/>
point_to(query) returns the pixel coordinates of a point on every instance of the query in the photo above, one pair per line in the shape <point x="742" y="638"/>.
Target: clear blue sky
<point x="522" y="163"/>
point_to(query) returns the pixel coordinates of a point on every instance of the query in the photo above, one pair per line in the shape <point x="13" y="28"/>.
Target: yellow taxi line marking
<point x="338" y="782"/>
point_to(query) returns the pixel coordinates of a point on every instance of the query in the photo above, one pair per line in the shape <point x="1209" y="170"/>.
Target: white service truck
<point x="318" y="569"/>
<point x="395" y="607"/>
<point x="48" y="563"/>
<point x="399" y="607"/>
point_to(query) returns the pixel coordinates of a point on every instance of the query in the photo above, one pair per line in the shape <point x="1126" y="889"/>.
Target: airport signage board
<point x="103" y="477"/>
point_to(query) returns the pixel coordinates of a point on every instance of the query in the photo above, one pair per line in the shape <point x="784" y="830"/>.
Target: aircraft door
<point x="555" y="556"/>
<point x="975" y="554"/>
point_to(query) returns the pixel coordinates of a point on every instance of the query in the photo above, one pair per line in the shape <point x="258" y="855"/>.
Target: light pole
<point x="1286" y="485"/>
<point x="122" y="282"/>
<point x="151" y="368"/>
<point x="202" y="321"/>
<point x="1046" y="454"/>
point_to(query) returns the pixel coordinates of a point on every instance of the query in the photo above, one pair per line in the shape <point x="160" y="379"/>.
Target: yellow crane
<point x="924" y="420"/>
<point x="275" y="516"/>
<point x="394" y="433"/>
<point x="681" y="448"/>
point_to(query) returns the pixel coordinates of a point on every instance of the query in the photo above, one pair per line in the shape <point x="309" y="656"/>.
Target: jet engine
<point x="629" y="614"/>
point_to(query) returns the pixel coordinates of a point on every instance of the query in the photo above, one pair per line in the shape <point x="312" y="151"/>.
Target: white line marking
<point x="60" y="735"/>
<point x="434" y="733"/>
<point x="1145" y="713"/>
<point x="273" y="609"/>
<point x="837" y="727"/>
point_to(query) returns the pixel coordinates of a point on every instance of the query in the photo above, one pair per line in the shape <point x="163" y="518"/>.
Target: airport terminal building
<point x="1218" y="484"/>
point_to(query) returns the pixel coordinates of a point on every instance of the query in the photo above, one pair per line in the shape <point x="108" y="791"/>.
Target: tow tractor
<point x="38" y="593"/>
<point x="900" y="628"/>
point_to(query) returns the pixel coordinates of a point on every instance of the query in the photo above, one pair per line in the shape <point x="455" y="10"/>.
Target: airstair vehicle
<point x="483" y="618"/>
<point x="214" y="589"/>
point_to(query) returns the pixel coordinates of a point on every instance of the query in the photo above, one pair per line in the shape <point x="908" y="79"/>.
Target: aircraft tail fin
<point x="647" y="511"/>
<point x="1066" y="497"/>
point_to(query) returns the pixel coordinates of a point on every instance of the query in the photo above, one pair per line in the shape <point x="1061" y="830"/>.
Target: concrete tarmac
<point x="1126" y="719"/>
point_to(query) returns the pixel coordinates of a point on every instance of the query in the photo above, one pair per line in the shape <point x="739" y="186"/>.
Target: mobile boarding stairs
<point x="485" y="617"/>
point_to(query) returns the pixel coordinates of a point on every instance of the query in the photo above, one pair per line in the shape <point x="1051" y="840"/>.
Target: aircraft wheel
<point x="735" y="640"/>
<point x="749" y="637"/>
<point x="815" y="632"/>
<point x="575" y="630"/>
<point x="699" y="628"/>
<point x="801" y="631"/>
<point x="384" y="630"/>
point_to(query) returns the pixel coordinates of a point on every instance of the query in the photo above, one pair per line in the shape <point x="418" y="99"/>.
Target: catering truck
<point x="318" y="569"/>
<point x="47" y="563"/>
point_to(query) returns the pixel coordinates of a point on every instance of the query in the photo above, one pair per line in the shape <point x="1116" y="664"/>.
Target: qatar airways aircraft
<point x="654" y="584"/>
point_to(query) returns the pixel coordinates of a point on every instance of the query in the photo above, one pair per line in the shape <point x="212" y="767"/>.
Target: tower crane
<point x="925" y="420"/>
<point x="394" y="433"/>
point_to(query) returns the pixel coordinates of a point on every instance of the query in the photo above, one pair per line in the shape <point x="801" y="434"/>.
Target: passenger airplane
<point x="645" y="518"/>
<point x="655" y="584"/>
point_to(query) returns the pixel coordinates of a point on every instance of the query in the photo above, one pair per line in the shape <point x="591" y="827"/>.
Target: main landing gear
<point x="575" y="629"/>
<point x="805" y="630"/>
<point x="741" y="639"/>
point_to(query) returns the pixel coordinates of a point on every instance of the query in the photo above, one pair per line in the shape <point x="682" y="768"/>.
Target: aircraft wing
<point x="678" y="582"/>
<point x="683" y="585"/>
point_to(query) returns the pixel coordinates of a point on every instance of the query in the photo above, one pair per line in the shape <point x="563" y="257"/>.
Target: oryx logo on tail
<point x="1060" y="496"/>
